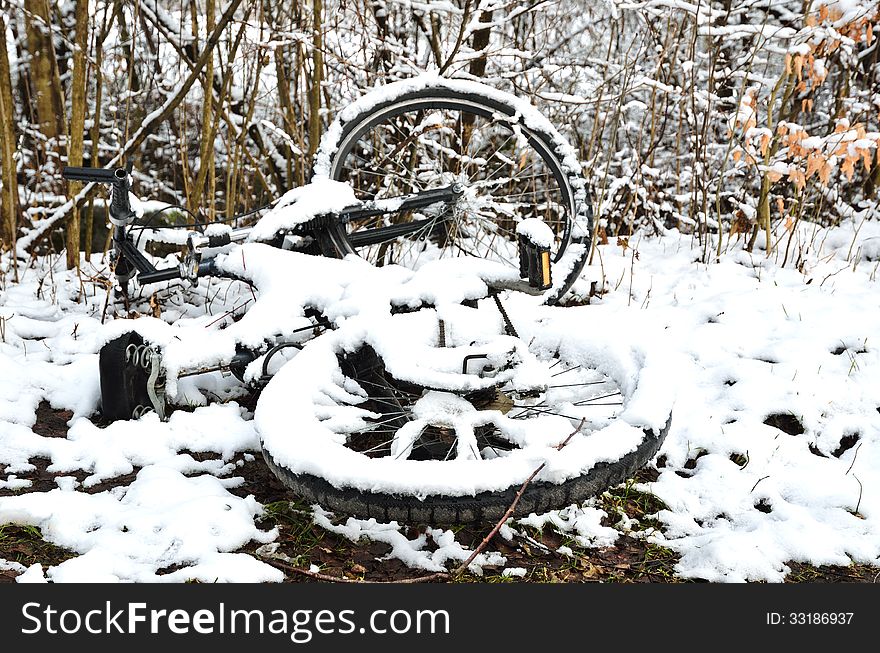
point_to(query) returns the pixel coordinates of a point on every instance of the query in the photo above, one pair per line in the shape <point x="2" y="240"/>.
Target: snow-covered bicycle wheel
<point x="396" y="428"/>
<point x="430" y="132"/>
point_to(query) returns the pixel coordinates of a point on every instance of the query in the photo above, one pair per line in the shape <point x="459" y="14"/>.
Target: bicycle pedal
<point x="534" y="239"/>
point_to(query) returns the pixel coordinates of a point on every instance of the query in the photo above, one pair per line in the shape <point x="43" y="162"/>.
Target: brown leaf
<point x="155" y="309"/>
<point x="815" y="161"/>
<point x="797" y="178"/>
<point x="866" y="158"/>
<point x="765" y="143"/>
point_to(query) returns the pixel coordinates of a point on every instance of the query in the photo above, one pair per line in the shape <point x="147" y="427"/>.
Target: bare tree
<point x="9" y="196"/>
<point x="77" y="122"/>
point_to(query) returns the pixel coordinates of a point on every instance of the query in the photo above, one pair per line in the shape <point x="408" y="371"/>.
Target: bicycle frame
<point x="129" y="260"/>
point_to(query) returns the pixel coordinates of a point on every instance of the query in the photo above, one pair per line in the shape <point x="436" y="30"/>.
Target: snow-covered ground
<point x="773" y="455"/>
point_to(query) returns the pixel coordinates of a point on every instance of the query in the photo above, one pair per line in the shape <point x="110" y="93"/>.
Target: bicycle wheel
<point x="430" y="132"/>
<point x="401" y="433"/>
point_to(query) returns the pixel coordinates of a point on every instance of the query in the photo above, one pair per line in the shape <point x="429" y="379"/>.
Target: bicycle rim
<point x="428" y="140"/>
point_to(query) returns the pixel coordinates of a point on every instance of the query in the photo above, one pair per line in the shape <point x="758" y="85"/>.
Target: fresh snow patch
<point x="773" y="455"/>
<point x="514" y="572"/>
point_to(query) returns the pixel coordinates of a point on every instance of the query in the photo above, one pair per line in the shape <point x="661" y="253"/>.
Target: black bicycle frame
<point x="129" y="260"/>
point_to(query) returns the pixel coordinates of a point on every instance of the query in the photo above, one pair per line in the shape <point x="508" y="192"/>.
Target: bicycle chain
<point x="509" y="329"/>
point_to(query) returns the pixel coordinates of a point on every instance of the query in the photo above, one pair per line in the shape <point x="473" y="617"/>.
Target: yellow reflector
<point x="545" y="268"/>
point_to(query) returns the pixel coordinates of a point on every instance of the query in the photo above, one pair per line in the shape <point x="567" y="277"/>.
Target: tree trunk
<point x="96" y="130"/>
<point x="206" y="147"/>
<point x="77" y="122"/>
<point x="317" y="77"/>
<point x="282" y="76"/>
<point x="9" y="195"/>
<point x="44" y="69"/>
<point x="477" y="66"/>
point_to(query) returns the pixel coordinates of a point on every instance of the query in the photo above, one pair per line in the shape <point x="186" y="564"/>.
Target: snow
<point x="530" y="116"/>
<point x="8" y="565"/>
<point x="537" y="231"/>
<point x="729" y="345"/>
<point x="303" y="203"/>
<point x="411" y="551"/>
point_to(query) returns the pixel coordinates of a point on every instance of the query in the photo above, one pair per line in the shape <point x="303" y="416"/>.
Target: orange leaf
<point x="814" y="163"/>
<point x="866" y="158"/>
<point x="737" y="155"/>
<point x="774" y="176"/>
<point x="765" y="143"/>
<point x="780" y="205"/>
<point x="825" y="173"/>
<point x="848" y="168"/>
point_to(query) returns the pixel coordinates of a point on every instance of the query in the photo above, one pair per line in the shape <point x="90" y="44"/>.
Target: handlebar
<point x="101" y="175"/>
<point x="121" y="214"/>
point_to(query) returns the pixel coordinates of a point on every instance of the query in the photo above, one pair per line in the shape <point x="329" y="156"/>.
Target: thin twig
<point x="281" y="561"/>
<point x="858" y="503"/>
<point x="855" y="455"/>
<point x="464" y="565"/>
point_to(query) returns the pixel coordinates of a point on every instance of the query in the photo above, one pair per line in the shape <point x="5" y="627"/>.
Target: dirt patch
<point x="804" y="573"/>
<point x="785" y="422"/>
<point x="629" y="560"/>
<point x="42" y="480"/>
<point x="25" y="545"/>
<point x="51" y="423"/>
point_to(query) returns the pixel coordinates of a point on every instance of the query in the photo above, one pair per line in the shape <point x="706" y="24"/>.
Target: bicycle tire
<point x="537" y="498"/>
<point x="304" y="459"/>
<point x="468" y="98"/>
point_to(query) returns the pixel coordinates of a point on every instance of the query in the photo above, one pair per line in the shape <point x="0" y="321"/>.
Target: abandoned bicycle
<point x="412" y="395"/>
